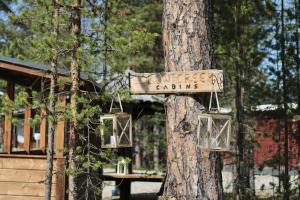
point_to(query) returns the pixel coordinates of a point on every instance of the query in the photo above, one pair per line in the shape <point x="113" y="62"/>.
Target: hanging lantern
<point x="116" y="129"/>
<point x="214" y="128"/>
<point x="214" y="132"/>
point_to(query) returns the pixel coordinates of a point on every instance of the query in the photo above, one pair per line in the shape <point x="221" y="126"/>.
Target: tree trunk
<point x="286" y="178"/>
<point x="297" y="60"/>
<point x="106" y="10"/>
<point x="278" y="101"/>
<point x="76" y="28"/>
<point x="192" y="173"/>
<point x="137" y="145"/>
<point x="51" y="108"/>
<point x="137" y="151"/>
<point x="251" y="168"/>
<point x="240" y="168"/>
<point x="145" y="144"/>
<point x="156" y="147"/>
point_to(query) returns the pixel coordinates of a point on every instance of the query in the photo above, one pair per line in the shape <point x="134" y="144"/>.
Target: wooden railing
<point x="26" y="149"/>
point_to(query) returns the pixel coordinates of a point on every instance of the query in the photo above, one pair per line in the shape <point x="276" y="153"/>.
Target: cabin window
<point x="18" y="138"/>
<point x="23" y="123"/>
<point x="18" y="119"/>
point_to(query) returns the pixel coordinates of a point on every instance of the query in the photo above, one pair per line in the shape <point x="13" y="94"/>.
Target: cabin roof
<point x="38" y="67"/>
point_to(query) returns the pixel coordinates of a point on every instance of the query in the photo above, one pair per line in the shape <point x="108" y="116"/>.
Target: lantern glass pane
<point x="123" y="129"/>
<point x="219" y="133"/>
<point x="108" y="136"/>
<point x="203" y="132"/>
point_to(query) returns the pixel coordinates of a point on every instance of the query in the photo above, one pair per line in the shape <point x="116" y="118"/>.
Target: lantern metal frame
<point x="215" y="133"/>
<point x="119" y="131"/>
<point x="211" y="137"/>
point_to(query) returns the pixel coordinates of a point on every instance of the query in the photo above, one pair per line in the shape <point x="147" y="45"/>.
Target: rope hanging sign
<point x="214" y="128"/>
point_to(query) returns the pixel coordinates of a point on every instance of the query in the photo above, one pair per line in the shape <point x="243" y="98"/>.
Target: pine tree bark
<point x="145" y="159"/>
<point x="297" y="61"/>
<point x="240" y="186"/>
<point x="76" y="29"/>
<point x="51" y="108"/>
<point x="286" y="177"/>
<point x="137" y="145"/>
<point x="156" y="147"/>
<point x="192" y="173"/>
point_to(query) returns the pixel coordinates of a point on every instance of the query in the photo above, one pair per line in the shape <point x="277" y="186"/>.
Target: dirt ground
<point x="139" y="190"/>
<point x="264" y="185"/>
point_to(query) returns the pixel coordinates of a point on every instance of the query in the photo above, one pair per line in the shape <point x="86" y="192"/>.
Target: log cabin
<point x="23" y="158"/>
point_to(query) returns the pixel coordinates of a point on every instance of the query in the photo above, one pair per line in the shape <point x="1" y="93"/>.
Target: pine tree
<point x="187" y="39"/>
<point x="51" y="107"/>
<point x="239" y="35"/>
<point x="133" y="35"/>
<point x="12" y="33"/>
<point x="75" y="75"/>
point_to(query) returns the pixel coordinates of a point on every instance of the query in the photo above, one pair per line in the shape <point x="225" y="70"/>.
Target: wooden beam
<point x="124" y="188"/>
<point x="60" y="128"/>
<point x="24" y="189"/>
<point x="60" y="179"/>
<point x="16" y="197"/>
<point x="23" y="70"/>
<point x="27" y="128"/>
<point x="8" y="118"/>
<point x="43" y="129"/>
<point x="26" y="162"/>
<point x="133" y="177"/>
<point x="23" y="175"/>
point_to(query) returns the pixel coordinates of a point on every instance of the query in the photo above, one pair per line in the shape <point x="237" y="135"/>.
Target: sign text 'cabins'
<point x="176" y="82"/>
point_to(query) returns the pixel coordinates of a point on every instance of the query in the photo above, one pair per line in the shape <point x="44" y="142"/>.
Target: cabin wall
<point x="270" y="136"/>
<point x="22" y="177"/>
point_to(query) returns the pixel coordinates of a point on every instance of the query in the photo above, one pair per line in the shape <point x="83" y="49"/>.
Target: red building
<point x="269" y="150"/>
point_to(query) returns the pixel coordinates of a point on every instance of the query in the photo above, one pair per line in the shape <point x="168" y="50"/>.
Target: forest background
<point x="256" y="43"/>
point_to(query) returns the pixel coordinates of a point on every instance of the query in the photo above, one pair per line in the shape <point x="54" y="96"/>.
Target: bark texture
<point x="297" y="60"/>
<point x="192" y="173"/>
<point x="156" y="147"/>
<point x="51" y="108"/>
<point x="137" y="145"/>
<point x="286" y="177"/>
<point x="76" y="29"/>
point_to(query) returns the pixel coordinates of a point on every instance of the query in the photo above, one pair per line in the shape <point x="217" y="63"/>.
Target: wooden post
<point x="43" y="128"/>
<point x="124" y="188"/>
<point x="60" y="179"/>
<point x="8" y="119"/>
<point x="27" y="116"/>
<point x="60" y="129"/>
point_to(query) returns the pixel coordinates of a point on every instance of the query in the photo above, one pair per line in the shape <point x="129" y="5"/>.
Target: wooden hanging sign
<point x="176" y="82"/>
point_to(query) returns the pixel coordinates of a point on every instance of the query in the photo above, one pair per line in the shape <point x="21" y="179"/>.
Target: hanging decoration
<point x="116" y="128"/>
<point x="214" y="128"/>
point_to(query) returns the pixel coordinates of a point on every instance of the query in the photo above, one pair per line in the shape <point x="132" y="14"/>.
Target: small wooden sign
<point x="176" y="82"/>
